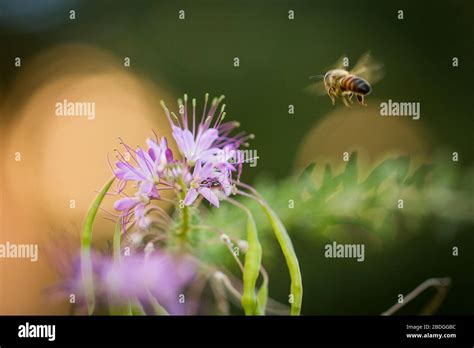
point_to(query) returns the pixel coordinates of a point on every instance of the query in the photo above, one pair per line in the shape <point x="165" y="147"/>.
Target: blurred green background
<point x="277" y="55"/>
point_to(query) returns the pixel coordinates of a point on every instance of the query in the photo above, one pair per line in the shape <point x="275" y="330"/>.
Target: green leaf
<point x="305" y="179"/>
<point x="120" y="309"/>
<point x="253" y="260"/>
<point x="262" y="296"/>
<point x="86" y="263"/>
<point x="328" y="185"/>
<point x="380" y="173"/>
<point x="393" y="166"/>
<point x="349" y="176"/>
<point x="306" y="173"/>
<point x="126" y="308"/>
<point x="418" y="178"/>
<point x="403" y="165"/>
<point x="136" y="308"/>
<point x="290" y="256"/>
<point x="327" y="178"/>
<point x="117" y="241"/>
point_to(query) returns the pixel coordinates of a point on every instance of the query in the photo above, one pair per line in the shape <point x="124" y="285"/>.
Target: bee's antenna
<point x="316" y="76"/>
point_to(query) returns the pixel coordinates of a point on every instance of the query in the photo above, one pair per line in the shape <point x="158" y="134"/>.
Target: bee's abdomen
<point x="355" y="84"/>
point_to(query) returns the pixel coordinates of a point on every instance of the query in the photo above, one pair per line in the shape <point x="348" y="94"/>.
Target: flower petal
<point x="190" y="197"/>
<point x="169" y="156"/>
<point x="178" y="137"/>
<point x="146" y="187"/>
<point x="189" y="141"/>
<point x="205" y="140"/>
<point x="213" y="155"/>
<point x="145" y="162"/>
<point x="197" y="170"/>
<point x="185" y="140"/>
<point x="141" y="218"/>
<point x="125" y="171"/>
<point x="154" y="150"/>
<point x="209" y="195"/>
<point x="126" y="203"/>
<point x="227" y="187"/>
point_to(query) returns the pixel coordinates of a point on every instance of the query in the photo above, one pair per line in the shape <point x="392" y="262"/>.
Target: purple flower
<point x="162" y="276"/>
<point x="159" y="275"/>
<point x="203" y="141"/>
<point x="160" y="154"/>
<point x="209" y="180"/>
<point x="228" y="157"/>
<point x="148" y="172"/>
<point x="137" y="205"/>
<point x="196" y="147"/>
<point x="144" y="166"/>
<point x="210" y="153"/>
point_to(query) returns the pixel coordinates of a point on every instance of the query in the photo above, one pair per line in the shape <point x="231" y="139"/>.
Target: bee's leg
<point x="349" y="97"/>
<point x="332" y="95"/>
<point x="360" y="99"/>
<point x="346" y="100"/>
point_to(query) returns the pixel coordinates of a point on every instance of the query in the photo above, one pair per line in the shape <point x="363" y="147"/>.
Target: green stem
<point x="124" y="309"/>
<point x="185" y="224"/>
<point x="86" y="262"/>
<point x="288" y="251"/>
<point x="252" y="265"/>
<point x="262" y="294"/>
<point x="291" y="259"/>
<point x="184" y="210"/>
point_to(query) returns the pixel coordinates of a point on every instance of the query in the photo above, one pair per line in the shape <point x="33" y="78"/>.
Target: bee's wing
<point x="367" y="68"/>
<point x="339" y="64"/>
<point x="316" y="88"/>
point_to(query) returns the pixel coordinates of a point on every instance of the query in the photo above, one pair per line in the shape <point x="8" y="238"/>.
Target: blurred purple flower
<point x="133" y="278"/>
<point x="160" y="275"/>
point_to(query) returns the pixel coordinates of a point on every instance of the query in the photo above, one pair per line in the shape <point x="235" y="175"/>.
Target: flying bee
<point x="341" y="83"/>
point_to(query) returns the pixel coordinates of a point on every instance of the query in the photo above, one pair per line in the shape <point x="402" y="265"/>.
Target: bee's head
<point x="333" y="75"/>
<point x="327" y="76"/>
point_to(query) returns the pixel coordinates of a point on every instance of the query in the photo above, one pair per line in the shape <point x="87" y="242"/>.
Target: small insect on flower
<point x="209" y="181"/>
<point x="340" y="83"/>
<point x="210" y="151"/>
<point x="155" y="260"/>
